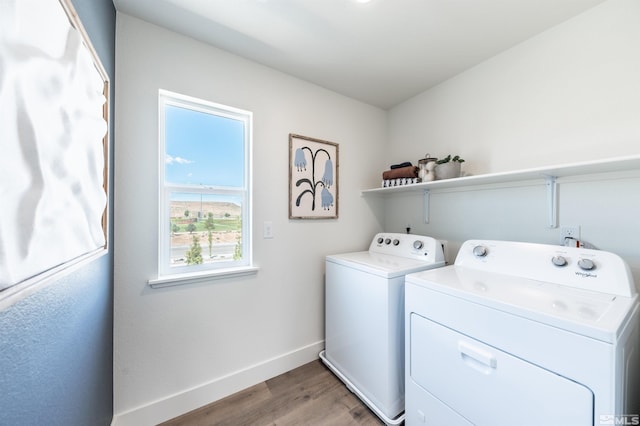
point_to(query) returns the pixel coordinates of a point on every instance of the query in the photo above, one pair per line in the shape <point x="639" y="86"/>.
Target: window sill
<point x="183" y="279"/>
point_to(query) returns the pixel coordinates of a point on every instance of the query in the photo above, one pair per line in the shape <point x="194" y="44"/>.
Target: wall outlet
<point x="445" y="249"/>
<point x="569" y="232"/>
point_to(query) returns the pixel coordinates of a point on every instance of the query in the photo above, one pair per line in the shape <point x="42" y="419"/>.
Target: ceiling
<point x="382" y="52"/>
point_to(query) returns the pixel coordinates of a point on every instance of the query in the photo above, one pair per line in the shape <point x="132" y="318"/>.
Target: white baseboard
<point x="190" y="399"/>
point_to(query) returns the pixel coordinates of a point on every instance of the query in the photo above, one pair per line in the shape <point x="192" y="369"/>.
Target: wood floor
<point x="309" y="395"/>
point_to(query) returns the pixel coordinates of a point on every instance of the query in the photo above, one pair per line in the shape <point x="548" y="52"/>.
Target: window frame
<point x="174" y="275"/>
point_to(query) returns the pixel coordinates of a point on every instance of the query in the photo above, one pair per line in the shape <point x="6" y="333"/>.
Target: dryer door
<point x="489" y="387"/>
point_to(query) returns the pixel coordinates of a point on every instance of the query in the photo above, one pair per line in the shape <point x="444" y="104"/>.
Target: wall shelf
<point x="547" y="175"/>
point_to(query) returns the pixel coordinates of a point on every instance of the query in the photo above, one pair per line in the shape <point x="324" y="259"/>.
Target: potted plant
<point x="448" y="167"/>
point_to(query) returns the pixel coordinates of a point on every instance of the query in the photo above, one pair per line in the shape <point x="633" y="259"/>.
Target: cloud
<point x="168" y="159"/>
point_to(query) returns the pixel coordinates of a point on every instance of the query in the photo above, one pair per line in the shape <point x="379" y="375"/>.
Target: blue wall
<point x="56" y="346"/>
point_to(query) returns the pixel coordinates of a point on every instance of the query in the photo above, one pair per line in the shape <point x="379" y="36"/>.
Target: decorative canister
<point x="426" y="168"/>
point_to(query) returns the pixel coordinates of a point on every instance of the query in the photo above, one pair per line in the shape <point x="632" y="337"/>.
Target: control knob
<point x="380" y="240"/>
<point x="586" y="264"/>
<point x="559" y="261"/>
<point x="396" y="242"/>
<point x="480" y="251"/>
<point x="417" y="244"/>
<point x="387" y="241"/>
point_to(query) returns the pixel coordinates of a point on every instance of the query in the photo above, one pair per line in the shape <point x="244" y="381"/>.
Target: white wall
<point x="570" y="94"/>
<point x="182" y="347"/>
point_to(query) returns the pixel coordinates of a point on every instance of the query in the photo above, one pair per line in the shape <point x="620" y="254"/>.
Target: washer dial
<point x="586" y="264"/>
<point x="480" y="251"/>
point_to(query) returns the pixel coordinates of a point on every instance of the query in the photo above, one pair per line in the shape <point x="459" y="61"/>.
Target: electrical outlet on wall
<point x="569" y="232"/>
<point x="445" y="249"/>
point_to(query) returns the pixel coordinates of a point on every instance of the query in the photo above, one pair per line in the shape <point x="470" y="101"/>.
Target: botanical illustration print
<point x="313" y="189"/>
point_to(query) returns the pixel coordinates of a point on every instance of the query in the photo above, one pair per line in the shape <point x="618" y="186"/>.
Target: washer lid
<point x="597" y="315"/>
<point x="383" y="265"/>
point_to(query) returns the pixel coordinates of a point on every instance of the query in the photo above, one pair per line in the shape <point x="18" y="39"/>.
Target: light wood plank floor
<point x="309" y="395"/>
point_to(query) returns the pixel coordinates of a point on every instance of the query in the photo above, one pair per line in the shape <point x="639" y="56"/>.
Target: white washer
<point x="526" y="334"/>
<point x="364" y="328"/>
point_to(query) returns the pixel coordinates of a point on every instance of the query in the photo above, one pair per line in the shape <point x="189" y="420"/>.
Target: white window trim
<point x="201" y="273"/>
<point x="194" y="277"/>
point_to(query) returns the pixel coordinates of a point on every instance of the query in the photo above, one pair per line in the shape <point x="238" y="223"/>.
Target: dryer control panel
<point x="411" y="246"/>
<point x="586" y="269"/>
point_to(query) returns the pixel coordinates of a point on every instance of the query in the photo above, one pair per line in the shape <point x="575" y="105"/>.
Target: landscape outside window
<point x="204" y="229"/>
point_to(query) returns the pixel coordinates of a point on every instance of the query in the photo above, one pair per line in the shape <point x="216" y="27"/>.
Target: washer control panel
<point x="408" y="245"/>
<point x="587" y="269"/>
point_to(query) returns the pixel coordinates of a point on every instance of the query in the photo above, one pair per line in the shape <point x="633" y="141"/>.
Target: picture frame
<point x="57" y="220"/>
<point x="313" y="178"/>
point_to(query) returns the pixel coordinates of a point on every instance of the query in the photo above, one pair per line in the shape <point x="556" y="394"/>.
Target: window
<point x="205" y="195"/>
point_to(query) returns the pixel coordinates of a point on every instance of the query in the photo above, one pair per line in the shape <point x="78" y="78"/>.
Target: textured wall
<point x="56" y="345"/>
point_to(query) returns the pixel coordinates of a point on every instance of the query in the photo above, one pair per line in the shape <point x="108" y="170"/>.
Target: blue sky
<point x="203" y="148"/>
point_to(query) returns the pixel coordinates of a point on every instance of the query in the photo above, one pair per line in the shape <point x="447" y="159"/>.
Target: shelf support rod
<point x="425" y="207"/>
<point x="552" y="200"/>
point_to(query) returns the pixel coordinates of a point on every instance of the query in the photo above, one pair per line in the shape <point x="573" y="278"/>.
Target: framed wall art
<point x="313" y="178"/>
<point x="54" y="99"/>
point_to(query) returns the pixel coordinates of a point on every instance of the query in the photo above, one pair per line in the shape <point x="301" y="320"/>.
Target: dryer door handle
<point x="477" y="358"/>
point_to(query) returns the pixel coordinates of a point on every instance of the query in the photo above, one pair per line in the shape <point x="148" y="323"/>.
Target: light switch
<point x="268" y="229"/>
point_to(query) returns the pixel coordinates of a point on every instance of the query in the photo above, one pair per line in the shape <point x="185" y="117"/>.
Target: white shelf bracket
<point x="425" y="207"/>
<point x="552" y="201"/>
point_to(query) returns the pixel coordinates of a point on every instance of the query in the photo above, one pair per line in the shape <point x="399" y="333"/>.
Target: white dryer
<point x="526" y="334"/>
<point x="364" y="323"/>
